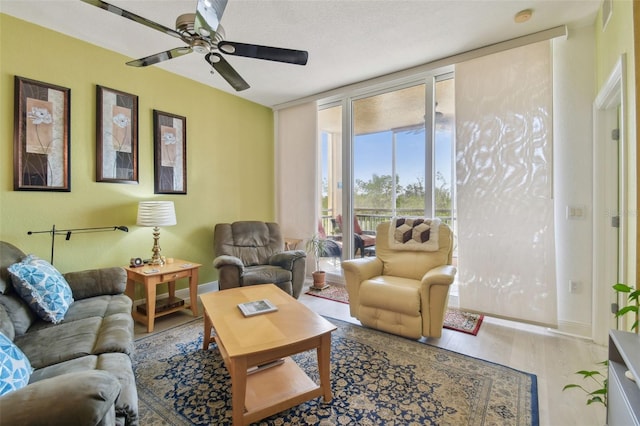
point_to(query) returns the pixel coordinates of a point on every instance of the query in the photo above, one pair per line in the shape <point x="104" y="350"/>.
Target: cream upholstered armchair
<point x="252" y="252"/>
<point x="405" y="288"/>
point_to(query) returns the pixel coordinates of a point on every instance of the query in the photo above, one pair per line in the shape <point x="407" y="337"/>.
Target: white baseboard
<point x="572" y="328"/>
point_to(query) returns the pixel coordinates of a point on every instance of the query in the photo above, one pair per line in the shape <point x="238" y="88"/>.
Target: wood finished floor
<point x="552" y="357"/>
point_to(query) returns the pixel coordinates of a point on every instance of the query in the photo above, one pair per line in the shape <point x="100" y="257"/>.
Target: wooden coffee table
<point x="261" y="339"/>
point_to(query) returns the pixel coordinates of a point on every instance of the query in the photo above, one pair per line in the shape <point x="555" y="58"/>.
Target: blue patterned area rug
<point x="377" y="379"/>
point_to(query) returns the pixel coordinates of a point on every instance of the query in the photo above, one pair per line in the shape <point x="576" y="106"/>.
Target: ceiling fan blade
<point x="226" y="71"/>
<point x="278" y="54"/>
<point x="159" y="57"/>
<point x="129" y="15"/>
<point x="208" y="16"/>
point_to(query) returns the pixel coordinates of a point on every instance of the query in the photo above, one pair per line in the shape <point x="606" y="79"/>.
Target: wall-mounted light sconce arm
<point x="67" y="232"/>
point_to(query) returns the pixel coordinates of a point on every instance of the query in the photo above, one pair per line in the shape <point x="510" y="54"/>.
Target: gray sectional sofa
<point x="82" y="372"/>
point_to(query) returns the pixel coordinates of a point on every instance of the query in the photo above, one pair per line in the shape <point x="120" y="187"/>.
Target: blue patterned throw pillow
<point x="15" y="368"/>
<point x="43" y="288"/>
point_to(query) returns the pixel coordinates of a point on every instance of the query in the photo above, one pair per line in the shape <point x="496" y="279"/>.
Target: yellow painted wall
<point x="618" y="38"/>
<point x="230" y="150"/>
<point x="636" y="30"/>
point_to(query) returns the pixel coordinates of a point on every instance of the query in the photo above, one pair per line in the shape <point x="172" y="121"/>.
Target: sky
<point x="373" y="154"/>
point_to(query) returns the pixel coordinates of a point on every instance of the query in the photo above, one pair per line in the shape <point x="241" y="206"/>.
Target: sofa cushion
<point x="42" y="287"/>
<point x="21" y="316"/>
<point x="393" y="294"/>
<point x="253" y="242"/>
<point x="97" y="282"/>
<point x="9" y="254"/>
<point x="82" y="398"/>
<point x="116" y="364"/>
<point x="70" y="340"/>
<point x="262" y="274"/>
<point x="6" y="326"/>
<point x="15" y="368"/>
<point x="99" y="306"/>
<point x="63" y="342"/>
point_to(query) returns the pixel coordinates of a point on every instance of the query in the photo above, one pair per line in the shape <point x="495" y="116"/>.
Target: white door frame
<point x="608" y="109"/>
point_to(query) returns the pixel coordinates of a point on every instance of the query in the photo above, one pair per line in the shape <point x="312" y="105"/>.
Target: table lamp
<point x="156" y="214"/>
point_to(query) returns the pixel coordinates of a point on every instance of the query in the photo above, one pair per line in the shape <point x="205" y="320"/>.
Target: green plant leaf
<point x="623" y="288"/>
<point x="627" y="309"/>
<point x="596" y="399"/>
<point x="571" y="386"/>
<point x="586" y="373"/>
<point x="600" y="395"/>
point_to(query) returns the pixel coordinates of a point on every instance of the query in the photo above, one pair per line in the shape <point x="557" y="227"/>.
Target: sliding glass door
<point x="384" y="154"/>
<point x="389" y="159"/>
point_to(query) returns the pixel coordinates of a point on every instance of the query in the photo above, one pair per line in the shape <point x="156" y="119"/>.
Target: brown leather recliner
<point x="402" y="292"/>
<point x="252" y="252"/>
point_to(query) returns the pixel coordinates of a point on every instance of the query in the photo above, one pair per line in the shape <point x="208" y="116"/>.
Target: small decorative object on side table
<point x="152" y="275"/>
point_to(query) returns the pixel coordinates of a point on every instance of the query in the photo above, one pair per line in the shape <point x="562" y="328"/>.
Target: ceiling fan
<point x="202" y="33"/>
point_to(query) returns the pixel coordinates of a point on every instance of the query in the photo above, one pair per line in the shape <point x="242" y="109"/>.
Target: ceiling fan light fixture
<point x="227" y="48"/>
<point x="212" y="59"/>
<point x="201" y="47"/>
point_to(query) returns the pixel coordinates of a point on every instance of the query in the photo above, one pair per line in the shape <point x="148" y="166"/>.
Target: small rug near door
<point x="376" y="378"/>
<point x="465" y="322"/>
<point x="334" y="292"/>
<point x="455" y="319"/>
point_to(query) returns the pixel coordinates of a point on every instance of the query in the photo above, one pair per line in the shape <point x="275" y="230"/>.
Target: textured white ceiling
<point x="348" y="40"/>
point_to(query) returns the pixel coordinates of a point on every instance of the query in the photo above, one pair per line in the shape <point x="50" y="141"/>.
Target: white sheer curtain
<point x="295" y="168"/>
<point x="506" y="246"/>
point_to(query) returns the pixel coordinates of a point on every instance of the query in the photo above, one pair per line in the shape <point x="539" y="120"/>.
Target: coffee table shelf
<point x="283" y="386"/>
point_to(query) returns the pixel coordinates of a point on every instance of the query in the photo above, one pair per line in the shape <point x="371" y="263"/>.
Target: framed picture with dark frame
<point x="170" y="153"/>
<point x="116" y="136"/>
<point x="41" y="138"/>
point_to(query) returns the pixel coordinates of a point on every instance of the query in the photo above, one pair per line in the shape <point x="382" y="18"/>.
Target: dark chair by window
<point x="366" y="240"/>
<point x="333" y="245"/>
<point x="252" y="252"/>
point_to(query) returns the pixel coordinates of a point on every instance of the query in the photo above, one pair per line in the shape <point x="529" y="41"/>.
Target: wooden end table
<point x="291" y="243"/>
<point x="152" y="275"/>
<point x="264" y="339"/>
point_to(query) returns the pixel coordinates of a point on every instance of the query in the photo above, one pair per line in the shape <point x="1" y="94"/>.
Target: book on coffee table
<point x="257" y="307"/>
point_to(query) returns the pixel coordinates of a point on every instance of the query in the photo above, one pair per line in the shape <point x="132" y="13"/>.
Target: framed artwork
<point x="116" y="136"/>
<point x="41" y="138"/>
<point x="170" y="153"/>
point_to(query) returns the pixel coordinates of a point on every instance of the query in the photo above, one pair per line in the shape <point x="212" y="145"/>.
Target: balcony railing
<point x="369" y="219"/>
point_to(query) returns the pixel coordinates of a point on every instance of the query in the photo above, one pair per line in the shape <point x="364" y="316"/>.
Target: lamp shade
<point x="156" y="213"/>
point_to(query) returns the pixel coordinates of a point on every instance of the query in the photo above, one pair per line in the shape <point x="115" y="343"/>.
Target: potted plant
<point x="599" y="377"/>
<point x="316" y="246"/>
